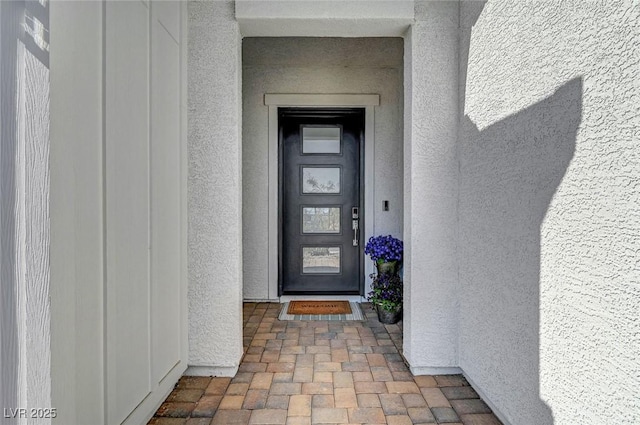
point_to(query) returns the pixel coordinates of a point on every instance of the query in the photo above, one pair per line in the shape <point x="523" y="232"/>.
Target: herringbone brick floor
<point x="322" y="372"/>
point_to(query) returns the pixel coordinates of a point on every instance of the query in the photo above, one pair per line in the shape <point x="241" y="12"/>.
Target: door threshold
<point x="353" y="298"/>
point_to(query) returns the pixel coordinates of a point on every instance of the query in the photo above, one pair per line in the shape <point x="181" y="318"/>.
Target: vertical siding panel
<point x="24" y="210"/>
<point x="165" y="201"/>
<point x="8" y="279"/>
<point x="77" y="219"/>
<point x="127" y="206"/>
<point x="36" y="271"/>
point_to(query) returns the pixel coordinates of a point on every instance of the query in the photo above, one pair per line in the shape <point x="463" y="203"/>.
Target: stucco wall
<point x="214" y="189"/>
<point x="550" y="188"/>
<point x="431" y="190"/>
<point x="317" y="65"/>
<point x="343" y="18"/>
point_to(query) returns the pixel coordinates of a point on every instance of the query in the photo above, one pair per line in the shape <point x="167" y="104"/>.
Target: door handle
<point x="354" y="225"/>
<point x="355" y="216"/>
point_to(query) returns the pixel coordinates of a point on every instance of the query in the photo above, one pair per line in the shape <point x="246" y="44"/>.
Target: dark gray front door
<point x="320" y="200"/>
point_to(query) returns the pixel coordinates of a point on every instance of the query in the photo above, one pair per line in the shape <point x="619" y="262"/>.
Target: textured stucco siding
<point x="549" y="217"/>
<point x="431" y="190"/>
<point x="344" y="18"/>
<point x="214" y="189"/>
<point x="317" y="65"/>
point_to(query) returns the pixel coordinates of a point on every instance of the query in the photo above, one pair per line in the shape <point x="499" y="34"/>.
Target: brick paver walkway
<point x="321" y="372"/>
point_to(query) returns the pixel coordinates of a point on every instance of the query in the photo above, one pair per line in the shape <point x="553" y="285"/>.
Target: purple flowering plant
<point x="384" y="249"/>
<point x="386" y="288"/>
<point x="386" y="292"/>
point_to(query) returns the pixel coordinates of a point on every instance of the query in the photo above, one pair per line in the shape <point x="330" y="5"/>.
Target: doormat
<point x="355" y="314"/>
<point x="319" y="307"/>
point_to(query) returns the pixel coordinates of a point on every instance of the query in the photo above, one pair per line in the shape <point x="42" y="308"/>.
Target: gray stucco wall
<point x="214" y="189"/>
<point x="549" y="195"/>
<point x="431" y="190"/>
<point x="317" y="65"/>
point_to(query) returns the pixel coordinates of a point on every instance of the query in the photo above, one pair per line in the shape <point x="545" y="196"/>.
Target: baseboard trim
<point x="431" y="370"/>
<point x="261" y="300"/>
<point x="486" y="399"/>
<point x="223" y="371"/>
<point x="145" y="410"/>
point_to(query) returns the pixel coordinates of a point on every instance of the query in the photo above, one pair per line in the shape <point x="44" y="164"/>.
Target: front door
<point x="320" y="200"/>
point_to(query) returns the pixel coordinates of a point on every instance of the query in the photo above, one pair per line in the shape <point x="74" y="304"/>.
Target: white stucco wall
<point x="214" y="189"/>
<point x="431" y="190"/>
<point x="25" y="318"/>
<point x="333" y="18"/>
<point x="317" y="65"/>
<point x="550" y="188"/>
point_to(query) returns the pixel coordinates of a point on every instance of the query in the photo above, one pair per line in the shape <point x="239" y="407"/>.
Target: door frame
<point x="275" y="101"/>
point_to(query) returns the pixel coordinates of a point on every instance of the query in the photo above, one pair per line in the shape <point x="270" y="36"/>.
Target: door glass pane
<point x="321" y="259"/>
<point x="320" y="220"/>
<point x="320" y="180"/>
<point x="321" y="140"/>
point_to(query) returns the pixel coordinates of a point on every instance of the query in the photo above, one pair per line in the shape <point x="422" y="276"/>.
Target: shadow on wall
<point x="24" y="28"/>
<point x="510" y="172"/>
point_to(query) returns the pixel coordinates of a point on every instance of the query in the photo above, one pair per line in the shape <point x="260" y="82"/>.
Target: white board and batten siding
<point x="143" y="201"/>
<point x="143" y="191"/>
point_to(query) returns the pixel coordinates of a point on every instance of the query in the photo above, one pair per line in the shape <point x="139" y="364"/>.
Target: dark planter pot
<point x="388" y="317"/>
<point x="388" y="268"/>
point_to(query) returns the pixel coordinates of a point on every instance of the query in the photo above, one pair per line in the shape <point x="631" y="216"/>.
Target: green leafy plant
<point x="386" y="292"/>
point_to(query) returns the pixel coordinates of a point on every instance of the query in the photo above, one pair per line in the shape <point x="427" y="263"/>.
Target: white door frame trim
<point x="274" y="101"/>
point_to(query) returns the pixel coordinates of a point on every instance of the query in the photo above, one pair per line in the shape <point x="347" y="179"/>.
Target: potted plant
<point x="386" y="294"/>
<point x="386" y="253"/>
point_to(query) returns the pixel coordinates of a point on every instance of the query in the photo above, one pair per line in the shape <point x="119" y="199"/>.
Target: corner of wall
<point x="214" y="186"/>
<point x="431" y="188"/>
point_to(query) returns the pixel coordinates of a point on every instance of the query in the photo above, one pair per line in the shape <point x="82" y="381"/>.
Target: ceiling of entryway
<point x="338" y="18"/>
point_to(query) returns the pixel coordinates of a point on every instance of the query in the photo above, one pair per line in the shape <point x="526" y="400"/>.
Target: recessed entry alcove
<point x="337" y="70"/>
